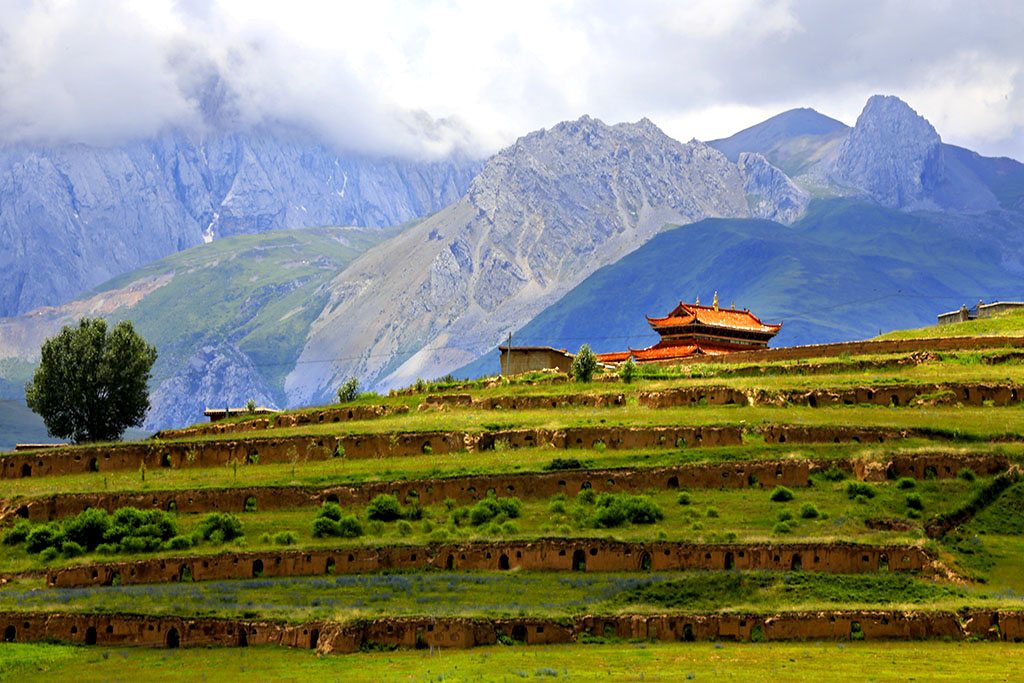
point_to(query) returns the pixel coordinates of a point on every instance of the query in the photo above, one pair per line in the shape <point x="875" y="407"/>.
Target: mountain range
<point x="572" y="234"/>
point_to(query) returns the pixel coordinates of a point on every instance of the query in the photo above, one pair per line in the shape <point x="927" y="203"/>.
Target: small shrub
<point x="220" y="527"/>
<point x="860" y="499"/>
<point x="627" y="371"/>
<point x="349" y="391"/>
<point x="785" y="516"/>
<point x="250" y="504"/>
<point x="509" y="528"/>
<point x="780" y="494"/>
<point x="43" y="537"/>
<point x="250" y="406"/>
<point x="427" y="526"/>
<point x="556" y="507"/>
<point x="584" y="364"/>
<point x="905" y="483"/>
<point x="106" y="548"/>
<point x="349" y="526"/>
<point x="330" y="511"/>
<point x="833" y="474"/>
<point x="489" y="508"/>
<point x="967" y="474"/>
<point x="684" y="498"/>
<point x="17" y="533"/>
<point x="712" y="512"/>
<point x="71" y="549"/>
<point x="586" y="496"/>
<point x="285" y="538"/>
<point x="384" y="508"/>
<point x="782" y="528"/>
<point x="404" y="528"/>
<point x="179" y="543"/>
<point x="914" y="514"/>
<point x="809" y="511"/>
<point x="49" y="554"/>
<point x="438" y="535"/>
<point x="860" y="488"/>
<point x="914" y="501"/>
<point x="449" y="504"/>
<point x="613" y="510"/>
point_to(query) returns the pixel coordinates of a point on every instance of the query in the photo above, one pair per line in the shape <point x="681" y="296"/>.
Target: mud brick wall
<point x="220" y="453"/>
<point x="455" y="632"/>
<point x="792" y="473"/>
<point x="544" y="554"/>
<point x="967" y="394"/>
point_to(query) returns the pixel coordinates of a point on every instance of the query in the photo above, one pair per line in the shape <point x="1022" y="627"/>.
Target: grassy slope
<point x="1010" y="323"/>
<point x="845" y="271"/>
<point x="873" y="661"/>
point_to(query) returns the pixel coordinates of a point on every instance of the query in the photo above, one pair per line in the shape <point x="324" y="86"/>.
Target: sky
<point x="421" y="79"/>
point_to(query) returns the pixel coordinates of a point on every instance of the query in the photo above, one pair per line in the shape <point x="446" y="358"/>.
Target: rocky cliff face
<point x="74" y="216"/>
<point x="542" y="215"/>
<point x="896" y="156"/>
<point x="770" y="192"/>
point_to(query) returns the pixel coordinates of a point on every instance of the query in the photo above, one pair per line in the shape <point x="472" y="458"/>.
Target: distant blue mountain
<point x="847" y="270"/>
<point x="767" y="135"/>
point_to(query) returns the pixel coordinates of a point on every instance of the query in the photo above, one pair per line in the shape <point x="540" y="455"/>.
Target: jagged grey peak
<point x="542" y="215"/>
<point x="73" y="216"/>
<point x="892" y="153"/>
<point x="770" y="192"/>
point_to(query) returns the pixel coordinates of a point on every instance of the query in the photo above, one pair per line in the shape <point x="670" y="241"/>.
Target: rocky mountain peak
<point x="892" y="153"/>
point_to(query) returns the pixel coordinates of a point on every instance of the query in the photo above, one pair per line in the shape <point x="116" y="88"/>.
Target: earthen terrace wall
<point x="761" y="473"/>
<point x="374" y="445"/>
<point x="551" y="554"/>
<point x="455" y="632"/>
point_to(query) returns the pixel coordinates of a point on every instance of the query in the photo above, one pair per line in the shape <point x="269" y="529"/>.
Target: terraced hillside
<point x="868" y="496"/>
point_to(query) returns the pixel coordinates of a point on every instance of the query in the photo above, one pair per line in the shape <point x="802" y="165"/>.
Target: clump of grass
<point x="684" y="498"/>
<point x="781" y="494"/>
<point x="905" y="483"/>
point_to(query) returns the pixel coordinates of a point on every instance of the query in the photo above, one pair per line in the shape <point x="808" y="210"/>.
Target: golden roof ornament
<point x="715" y="302"/>
<point x="698" y="299"/>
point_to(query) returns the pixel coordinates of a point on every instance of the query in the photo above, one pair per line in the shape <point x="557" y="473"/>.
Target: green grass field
<point x="629" y="661"/>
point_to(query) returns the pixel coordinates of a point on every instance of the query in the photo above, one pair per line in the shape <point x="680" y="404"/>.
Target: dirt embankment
<point x="550" y="554"/>
<point x="529" y="485"/>
<point x="455" y="632"/>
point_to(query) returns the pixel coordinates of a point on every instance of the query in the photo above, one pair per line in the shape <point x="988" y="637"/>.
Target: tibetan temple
<point x="692" y="329"/>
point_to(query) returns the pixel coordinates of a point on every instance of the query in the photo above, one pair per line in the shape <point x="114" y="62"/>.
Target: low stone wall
<point x="455" y="632"/>
<point x="304" y="448"/>
<point x="550" y="554"/>
<point x="966" y="394"/>
<point x="524" y="402"/>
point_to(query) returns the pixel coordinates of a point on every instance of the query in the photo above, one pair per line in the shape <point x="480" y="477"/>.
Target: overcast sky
<point x="419" y="77"/>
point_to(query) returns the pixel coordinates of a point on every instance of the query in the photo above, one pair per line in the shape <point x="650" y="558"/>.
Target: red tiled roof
<point x="668" y="350"/>
<point x="684" y="314"/>
<point x="613" y="357"/>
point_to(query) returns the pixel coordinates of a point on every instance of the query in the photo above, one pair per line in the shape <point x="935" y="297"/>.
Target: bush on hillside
<point x="780" y="494"/>
<point x="856" y="489"/>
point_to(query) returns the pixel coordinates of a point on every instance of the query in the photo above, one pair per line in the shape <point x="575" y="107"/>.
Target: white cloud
<point x="380" y="76"/>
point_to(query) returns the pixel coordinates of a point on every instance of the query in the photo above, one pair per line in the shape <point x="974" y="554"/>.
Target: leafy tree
<point x="349" y="391"/>
<point x="584" y="364"/>
<point x="91" y="383"/>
